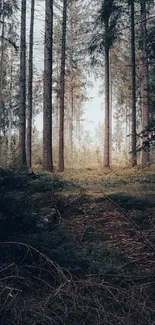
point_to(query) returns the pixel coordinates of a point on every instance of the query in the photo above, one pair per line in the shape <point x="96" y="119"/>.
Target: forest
<point x="77" y="162"/>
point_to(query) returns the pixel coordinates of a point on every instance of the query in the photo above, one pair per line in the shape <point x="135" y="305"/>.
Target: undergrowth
<point x="59" y="265"/>
<point x="114" y="180"/>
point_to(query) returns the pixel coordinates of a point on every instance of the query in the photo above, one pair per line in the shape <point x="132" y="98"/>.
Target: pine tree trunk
<point x="57" y="102"/>
<point x="22" y="110"/>
<point x="62" y="87"/>
<point x="107" y="105"/>
<point x="71" y="108"/>
<point x="111" y="109"/>
<point x="30" y="89"/>
<point x="144" y="86"/>
<point x="71" y="86"/>
<point x="71" y="117"/>
<point x="57" y="105"/>
<point x="133" y="160"/>
<point x="47" y="96"/>
<point x="57" y="129"/>
<point x="10" y="112"/>
<point x="1" y="78"/>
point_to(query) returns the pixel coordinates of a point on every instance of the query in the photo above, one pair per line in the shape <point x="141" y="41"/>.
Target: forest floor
<point x="98" y="231"/>
<point x="115" y="207"/>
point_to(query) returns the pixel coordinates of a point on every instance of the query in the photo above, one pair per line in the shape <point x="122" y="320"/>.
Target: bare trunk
<point x="10" y="113"/>
<point x="30" y="89"/>
<point x="126" y="130"/>
<point x="78" y="136"/>
<point x="56" y="130"/>
<point x="133" y="161"/>
<point x="71" y="118"/>
<point x="22" y="110"/>
<point x="144" y="86"/>
<point x="57" y="127"/>
<point x="71" y="109"/>
<point x="110" y="113"/>
<point x="107" y="107"/>
<point x="1" y="78"/>
<point x="71" y="82"/>
<point x="62" y="88"/>
<point x="57" y="104"/>
<point x="47" y="100"/>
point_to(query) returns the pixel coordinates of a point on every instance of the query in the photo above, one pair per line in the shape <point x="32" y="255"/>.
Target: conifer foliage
<point x="110" y="40"/>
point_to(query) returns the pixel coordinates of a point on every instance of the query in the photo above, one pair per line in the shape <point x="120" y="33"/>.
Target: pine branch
<point x="10" y="42"/>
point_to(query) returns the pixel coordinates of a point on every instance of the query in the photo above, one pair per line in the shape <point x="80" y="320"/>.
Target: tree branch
<point x="10" y="42"/>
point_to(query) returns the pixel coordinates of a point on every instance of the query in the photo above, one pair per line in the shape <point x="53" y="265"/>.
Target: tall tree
<point x="62" y="87"/>
<point x="133" y="160"/>
<point x="71" y="83"/>
<point x="1" y="71"/>
<point x="75" y="80"/>
<point x="30" y="88"/>
<point x="22" y="109"/>
<point x="75" y="72"/>
<point x="144" y="82"/>
<point x="10" y="113"/>
<point x="47" y="95"/>
<point x="107" y="94"/>
<point x="104" y="38"/>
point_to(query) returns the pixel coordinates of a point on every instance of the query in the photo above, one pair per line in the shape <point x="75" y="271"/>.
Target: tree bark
<point x="30" y="89"/>
<point x="10" y="111"/>
<point x="71" y="117"/>
<point x="47" y="96"/>
<point x="71" y="86"/>
<point x="22" y="110"/>
<point x="57" y="101"/>
<point x="1" y="77"/>
<point x="144" y="86"/>
<point x="107" y="103"/>
<point x="62" y="87"/>
<point x="111" y="108"/>
<point x="56" y="56"/>
<point x="133" y="160"/>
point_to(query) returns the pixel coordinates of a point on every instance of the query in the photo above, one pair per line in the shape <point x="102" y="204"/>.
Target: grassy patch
<point x="139" y="181"/>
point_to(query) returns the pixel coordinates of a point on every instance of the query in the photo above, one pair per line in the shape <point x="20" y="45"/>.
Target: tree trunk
<point x="107" y="104"/>
<point x="1" y="77"/>
<point x="144" y="86"/>
<point x="71" y="117"/>
<point x="47" y="96"/>
<point x="71" y="81"/>
<point x="62" y="87"/>
<point x="111" y="109"/>
<point x="133" y="160"/>
<point x="30" y="89"/>
<point x="57" y="100"/>
<point x="22" y="110"/>
<point x="10" y="111"/>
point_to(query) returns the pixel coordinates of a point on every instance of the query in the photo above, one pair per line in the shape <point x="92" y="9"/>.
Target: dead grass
<point x="137" y="181"/>
<point x="93" y="261"/>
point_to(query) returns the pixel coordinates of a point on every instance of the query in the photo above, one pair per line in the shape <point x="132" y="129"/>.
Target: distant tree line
<point x="115" y="37"/>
